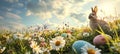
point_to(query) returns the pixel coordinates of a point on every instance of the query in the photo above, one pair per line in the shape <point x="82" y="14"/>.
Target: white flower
<point x="57" y="43"/>
<point x="36" y="49"/>
<point x="90" y="49"/>
<point x="2" y="49"/>
<point x="27" y="38"/>
<point x="27" y="52"/>
<point x="41" y="38"/>
<point x="33" y="43"/>
<point x="35" y="34"/>
<point x="116" y="46"/>
<point x="18" y="36"/>
<point x="85" y="34"/>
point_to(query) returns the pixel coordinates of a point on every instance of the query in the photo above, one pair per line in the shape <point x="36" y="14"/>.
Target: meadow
<point x="60" y="41"/>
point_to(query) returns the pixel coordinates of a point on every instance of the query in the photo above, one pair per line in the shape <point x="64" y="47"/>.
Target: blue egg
<point x="77" y="45"/>
<point x="64" y="34"/>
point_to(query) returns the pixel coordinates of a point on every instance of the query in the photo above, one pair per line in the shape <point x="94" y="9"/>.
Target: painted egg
<point x="77" y="45"/>
<point x="100" y="39"/>
<point x="64" y="34"/>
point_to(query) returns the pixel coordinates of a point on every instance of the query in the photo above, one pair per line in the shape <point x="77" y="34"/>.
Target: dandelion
<point x="57" y="43"/>
<point x="90" y="49"/>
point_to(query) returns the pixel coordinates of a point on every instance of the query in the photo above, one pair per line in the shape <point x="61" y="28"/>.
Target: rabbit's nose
<point x="90" y="17"/>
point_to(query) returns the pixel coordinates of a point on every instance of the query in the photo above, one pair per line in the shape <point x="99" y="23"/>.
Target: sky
<point x="18" y="14"/>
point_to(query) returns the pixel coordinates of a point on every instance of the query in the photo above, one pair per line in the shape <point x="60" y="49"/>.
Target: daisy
<point x="27" y="38"/>
<point x="36" y="49"/>
<point x="2" y="49"/>
<point x="28" y="52"/>
<point x="33" y="44"/>
<point x="57" y="43"/>
<point x="18" y="36"/>
<point x="116" y="46"/>
<point x="41" y="38"/>
<point x="90" y="49"/>
<point x="85" y="34"/>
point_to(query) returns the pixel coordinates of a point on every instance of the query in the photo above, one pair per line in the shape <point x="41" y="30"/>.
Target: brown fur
<point x="95" y="24"/>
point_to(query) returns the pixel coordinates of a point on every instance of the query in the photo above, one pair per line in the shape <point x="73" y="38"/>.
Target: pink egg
<point x="99" y="40"/>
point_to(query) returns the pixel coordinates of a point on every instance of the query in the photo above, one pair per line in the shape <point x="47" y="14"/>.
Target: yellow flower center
<point x="91" y="51"/>
<point x="57" y="43"/>
<point x="34" y="46"/>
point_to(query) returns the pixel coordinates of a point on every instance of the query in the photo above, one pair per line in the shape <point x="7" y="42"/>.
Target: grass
<point x="21" y="46"/>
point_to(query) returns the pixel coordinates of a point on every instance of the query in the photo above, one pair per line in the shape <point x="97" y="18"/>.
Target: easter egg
<point x="77" y="45"/>
<point x="100" y="40"/>
<point x="64" y="34"/>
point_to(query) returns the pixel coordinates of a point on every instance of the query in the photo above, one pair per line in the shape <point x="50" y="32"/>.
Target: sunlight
<point x="108" y="9"/>
<point x="59" y="27"/>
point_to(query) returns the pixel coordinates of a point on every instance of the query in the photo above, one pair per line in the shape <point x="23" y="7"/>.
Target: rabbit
<point x="95" y="23"/>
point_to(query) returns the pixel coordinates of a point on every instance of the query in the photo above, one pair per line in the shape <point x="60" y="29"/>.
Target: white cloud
<point x="9" y="9"/>
<point x="76" y="22"/>
<point x="12" y="1"/>
<point x="12" y="15"/>
<point x="2" y="28"/>
<point x="17" y="25"/>
<point x="81" y="17"/>
<point x="44" y="14"/>
<point x="12" y="26"/>
<point x="20" y="4"/>
<point x="10" y="21"/>
<point x="59" y="8"/>
<point x="28" y="13"/>
<point x="1" y="17"/>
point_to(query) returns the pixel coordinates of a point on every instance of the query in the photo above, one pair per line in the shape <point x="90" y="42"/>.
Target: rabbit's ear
<point x="95" y="9"/>
<point x="92" y="9"/>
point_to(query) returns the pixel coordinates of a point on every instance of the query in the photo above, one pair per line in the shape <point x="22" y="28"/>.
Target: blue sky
<point x="17" y="14"/>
